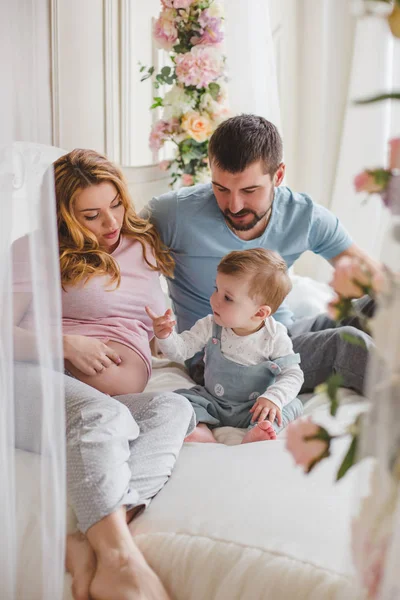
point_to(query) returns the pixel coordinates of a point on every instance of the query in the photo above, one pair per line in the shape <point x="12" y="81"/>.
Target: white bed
<point x="239" y="522"/>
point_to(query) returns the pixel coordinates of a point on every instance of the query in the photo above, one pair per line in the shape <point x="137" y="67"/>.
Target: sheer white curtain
<point x="253" y="86"/>
<point x="366" y="131"/>
<point x="32" y="430"/>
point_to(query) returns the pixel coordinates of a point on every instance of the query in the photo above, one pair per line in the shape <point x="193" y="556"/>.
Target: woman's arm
<point x="89" y="355"/>
<point x="25" y="348"/>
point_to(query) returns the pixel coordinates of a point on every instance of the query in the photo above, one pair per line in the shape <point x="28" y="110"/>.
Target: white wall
<point x="25" y="96"/>
<point x="100" y="102"/>
<point x="78" y="74"/>
<point x="73" y="81"/>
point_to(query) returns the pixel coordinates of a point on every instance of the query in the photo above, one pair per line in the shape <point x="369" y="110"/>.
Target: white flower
<point x="176" y="102"/>
<point x="202" y="176"/>
<point x="216" y="10"/>
<point x="209" y="104"/>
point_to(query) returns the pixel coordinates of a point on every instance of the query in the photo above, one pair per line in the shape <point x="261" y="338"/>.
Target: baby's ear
<point x="263" y="312"/>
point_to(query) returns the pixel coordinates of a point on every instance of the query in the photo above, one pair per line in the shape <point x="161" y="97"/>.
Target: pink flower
<point x="347" y="272"/>
<point x="164" y="165"/>
<point x="307" y="452"/>
<point x="177" y="3"/>
<point x="165" y="32"/>
<point x="161" y="131"/>
<point x="211" y="30"/>
<point x="394" y="153"/>
<point x="333" y="309"/>
<point x="221" y="115"/>
<point x="391" y="195"/>
<point x="365" y="182"/>
<point x="371" y="531"/>
<point x="187" y="179"/>
<point x="199" y="67"/>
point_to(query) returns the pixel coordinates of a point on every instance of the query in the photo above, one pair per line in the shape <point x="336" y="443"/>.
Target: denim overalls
<point x="231" y="389"/>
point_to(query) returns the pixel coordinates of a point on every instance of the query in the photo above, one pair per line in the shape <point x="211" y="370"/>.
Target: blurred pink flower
<point x="365" y="182"/>
<point x="221" y="115"/>
<point x="199" y="67"/>
<point x="347" y="272"/>
<point x="394" y="153"/>
<point x="371" y="569"/>
<point x="391" y="195"/>
<point x="372" y="529"/>
<point x="164" y="165"/>
<point x="177" y="3"/>
<point x="161" y="131"/>
<point x="165" y="32"/>
<point x="307" y="453"/>
<point x="211" y="30"/>
<point x="187" y="179"/>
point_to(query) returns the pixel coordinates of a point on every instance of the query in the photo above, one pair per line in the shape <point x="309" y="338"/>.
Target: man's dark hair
<point x="243" y="140"/>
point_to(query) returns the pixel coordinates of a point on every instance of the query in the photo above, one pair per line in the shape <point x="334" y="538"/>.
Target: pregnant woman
<point x="122" y="449"/>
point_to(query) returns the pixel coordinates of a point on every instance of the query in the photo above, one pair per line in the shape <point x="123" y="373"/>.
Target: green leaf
<point x="381" y="176"/>
<point x="165" y="71"/>
<point x="349" y="459"/>
<point x="324" y="436"/>
<point x="214" y="90"/>
<point x="158" y="101"/>
<point x="332" y="386"/>
<point x="149" y="73"/>
<point x="353" y="339"/>
<point x="379" y="98"/>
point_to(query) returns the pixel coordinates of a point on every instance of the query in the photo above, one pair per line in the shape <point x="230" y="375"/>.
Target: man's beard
<point x="245" y="226"/>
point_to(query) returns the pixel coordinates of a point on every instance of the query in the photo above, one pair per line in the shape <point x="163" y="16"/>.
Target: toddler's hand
<point x="264" y="409"/>
<point x="164" y="325"/>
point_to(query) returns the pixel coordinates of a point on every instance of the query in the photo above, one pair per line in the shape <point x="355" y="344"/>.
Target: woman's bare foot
<point x="126" y="577"/>
<point x="80" y="561"/>
<point x="201" y="434"/>
<point x="261" y="432"/>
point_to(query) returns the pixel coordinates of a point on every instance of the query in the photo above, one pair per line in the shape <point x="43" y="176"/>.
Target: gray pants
<point x="120" y="451"/>
<point x="323" y="350"/>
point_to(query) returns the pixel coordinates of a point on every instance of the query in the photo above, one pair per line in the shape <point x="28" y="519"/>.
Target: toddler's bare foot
<point x="201" y="434"/>
<point x="80" y="561"/>
<point x="127" y="577"/>
<point x="261" y="432"/>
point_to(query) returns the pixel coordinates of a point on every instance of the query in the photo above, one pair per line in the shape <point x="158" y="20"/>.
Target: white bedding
<point x="241" y="522"/>
<point x="237" y="522"/>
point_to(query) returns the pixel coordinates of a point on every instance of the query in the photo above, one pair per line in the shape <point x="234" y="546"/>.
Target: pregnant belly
<point x="129" y="377"/>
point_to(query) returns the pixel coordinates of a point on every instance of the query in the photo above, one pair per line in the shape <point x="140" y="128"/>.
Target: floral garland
<point x="192" y="32"/>
<point x="308" y="442"/>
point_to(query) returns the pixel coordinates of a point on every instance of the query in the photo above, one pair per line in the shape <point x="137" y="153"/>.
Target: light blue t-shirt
<point x="193" y="227"/>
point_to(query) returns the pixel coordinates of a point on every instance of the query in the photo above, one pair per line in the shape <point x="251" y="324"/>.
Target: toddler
<point x="252" y="376"/>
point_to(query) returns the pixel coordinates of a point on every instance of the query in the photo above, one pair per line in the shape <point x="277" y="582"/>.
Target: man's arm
<point x="329" y="239"/>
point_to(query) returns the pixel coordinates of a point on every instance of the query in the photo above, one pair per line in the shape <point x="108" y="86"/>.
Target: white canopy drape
<point x="32" y="429"/>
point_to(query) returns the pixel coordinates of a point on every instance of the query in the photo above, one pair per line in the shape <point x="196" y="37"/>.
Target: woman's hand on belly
<point x="129" y="377"/>
<point x="89" y="355"/>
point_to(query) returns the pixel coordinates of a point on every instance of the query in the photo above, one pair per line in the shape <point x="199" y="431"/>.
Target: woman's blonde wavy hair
<point x="80" y="254"/>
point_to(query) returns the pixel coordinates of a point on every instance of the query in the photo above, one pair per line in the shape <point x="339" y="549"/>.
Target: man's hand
<point x="164" y="325"/>
<point x="264" y="409"/>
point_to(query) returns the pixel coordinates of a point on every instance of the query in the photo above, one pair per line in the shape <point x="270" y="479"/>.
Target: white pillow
<point x="308" y="297"/>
